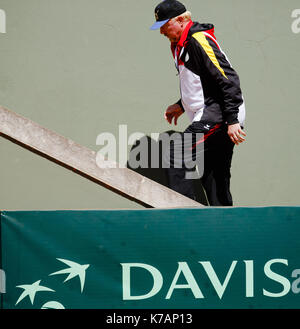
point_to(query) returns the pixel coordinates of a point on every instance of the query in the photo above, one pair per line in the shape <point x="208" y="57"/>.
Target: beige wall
<point x="82" y="67"/>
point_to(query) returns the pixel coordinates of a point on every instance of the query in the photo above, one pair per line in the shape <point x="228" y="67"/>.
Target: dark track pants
<point x="217" y="151"/>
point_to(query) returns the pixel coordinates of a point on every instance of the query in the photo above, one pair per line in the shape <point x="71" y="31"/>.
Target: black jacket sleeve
<point x="214" y="63"/>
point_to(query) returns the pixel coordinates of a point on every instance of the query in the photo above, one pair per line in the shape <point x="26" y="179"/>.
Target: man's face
<point x="172" y="30"/>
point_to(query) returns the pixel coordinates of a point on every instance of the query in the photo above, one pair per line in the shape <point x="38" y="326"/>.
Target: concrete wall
<point x="82" y="68"/>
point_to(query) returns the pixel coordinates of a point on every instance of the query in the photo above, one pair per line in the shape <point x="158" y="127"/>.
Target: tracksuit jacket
<point x="209" y="86"/>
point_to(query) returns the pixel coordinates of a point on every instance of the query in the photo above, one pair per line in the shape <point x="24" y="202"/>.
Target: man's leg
<point x="216" y="156"/>
<point x="209" y="185"/>
<point x="179" y="170"/>
<point x="216" y="178"/>
<point x="179" y="183"/>
<point x="221" y="171"/>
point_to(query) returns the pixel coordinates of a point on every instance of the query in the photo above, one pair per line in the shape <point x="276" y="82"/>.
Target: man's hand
<point x="235" y="131"/>
<point x="173" y="111"/>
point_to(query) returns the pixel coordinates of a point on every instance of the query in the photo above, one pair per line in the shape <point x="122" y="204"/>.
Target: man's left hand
<point x="235" y="133"/>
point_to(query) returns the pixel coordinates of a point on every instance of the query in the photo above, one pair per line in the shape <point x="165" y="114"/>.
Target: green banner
<point x="145" y="259"/>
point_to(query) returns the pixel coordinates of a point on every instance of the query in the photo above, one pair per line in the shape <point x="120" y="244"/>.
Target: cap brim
<point x="157" y="25"/>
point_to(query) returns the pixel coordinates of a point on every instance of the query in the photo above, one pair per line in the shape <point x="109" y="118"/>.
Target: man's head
<point x="171" y="18"/>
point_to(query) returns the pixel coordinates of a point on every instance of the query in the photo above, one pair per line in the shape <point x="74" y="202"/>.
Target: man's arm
<point x="214" y="63"/>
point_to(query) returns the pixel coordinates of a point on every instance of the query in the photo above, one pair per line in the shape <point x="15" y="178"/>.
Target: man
<point x="210" y="96"/>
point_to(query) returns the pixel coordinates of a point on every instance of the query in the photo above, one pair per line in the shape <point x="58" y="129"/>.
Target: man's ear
<point x="180" y="19"/>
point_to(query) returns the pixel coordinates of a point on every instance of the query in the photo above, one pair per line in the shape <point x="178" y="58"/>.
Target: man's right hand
<point x="173" y="111"/>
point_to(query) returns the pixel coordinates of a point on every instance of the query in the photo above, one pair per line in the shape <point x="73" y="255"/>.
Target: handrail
<point x="82" y="161"/>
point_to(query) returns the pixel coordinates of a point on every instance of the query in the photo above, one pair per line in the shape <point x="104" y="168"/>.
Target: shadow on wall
<point x="150" y="164"/>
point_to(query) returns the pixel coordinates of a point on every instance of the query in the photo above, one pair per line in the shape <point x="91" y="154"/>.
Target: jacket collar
<point x="184" y="35"/>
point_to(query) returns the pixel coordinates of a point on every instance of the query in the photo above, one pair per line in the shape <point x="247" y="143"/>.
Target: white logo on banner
<point x="74" y="270"/>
